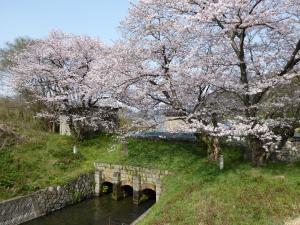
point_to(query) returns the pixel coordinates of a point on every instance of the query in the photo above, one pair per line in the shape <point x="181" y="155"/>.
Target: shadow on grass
<point x="96" y="140"/>
<point x="280" y="168"/>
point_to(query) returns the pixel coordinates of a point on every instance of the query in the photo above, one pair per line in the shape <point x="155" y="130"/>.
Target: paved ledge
<point x="141" y="217"/>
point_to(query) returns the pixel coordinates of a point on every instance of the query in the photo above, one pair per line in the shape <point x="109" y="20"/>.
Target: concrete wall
<point x="22" y="209"/>
<point x="174" y="125"/>
<point x="17" y="210"/>
<point x="64" y="128"/>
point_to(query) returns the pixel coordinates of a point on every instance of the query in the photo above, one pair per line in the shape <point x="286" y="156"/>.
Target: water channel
<point x="96" y="211"/>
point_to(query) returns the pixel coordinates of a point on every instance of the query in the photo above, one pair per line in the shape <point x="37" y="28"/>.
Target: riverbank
<point x="197" y="193"/>
<point x="44" y="202"/>
<point x="95" y="211"/>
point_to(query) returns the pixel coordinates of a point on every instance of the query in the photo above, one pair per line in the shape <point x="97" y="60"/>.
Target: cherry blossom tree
<point x="246" y="49"/>
<point x="68" y="74"/>
<point x="160" y="77"/>
<point x="255" y="48"/>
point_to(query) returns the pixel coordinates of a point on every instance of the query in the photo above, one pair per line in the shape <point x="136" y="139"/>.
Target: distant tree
<point x="7" y="55"/>
<point x="11" y="49"/>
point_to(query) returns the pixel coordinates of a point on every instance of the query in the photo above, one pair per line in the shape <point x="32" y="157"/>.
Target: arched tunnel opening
<point x="148" y="194"/>
<point x="127" y="191"/>
<point x="107" y="188"/>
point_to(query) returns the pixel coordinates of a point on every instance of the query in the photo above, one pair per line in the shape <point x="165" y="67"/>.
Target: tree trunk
<point x="53" y="127"/>
<point x="258" y="153"/>
<point x="74" y="131"/>
<point x="213" y="147"/>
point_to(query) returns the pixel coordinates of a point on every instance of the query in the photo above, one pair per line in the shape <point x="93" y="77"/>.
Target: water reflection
<point x="96" y="211"/>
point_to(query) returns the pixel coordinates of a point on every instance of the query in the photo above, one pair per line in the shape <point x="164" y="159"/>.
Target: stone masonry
<point x="22" y="209"/>
<point x="138" y="178"/>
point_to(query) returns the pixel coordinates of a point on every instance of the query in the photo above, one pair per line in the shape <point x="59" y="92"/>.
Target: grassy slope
<point x="44" y="160"/>
<point x="198" y="193"/>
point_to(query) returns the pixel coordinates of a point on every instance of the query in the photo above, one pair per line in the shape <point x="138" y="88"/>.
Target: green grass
<point x="44" y="160"/>
<point x="197" y="193"/>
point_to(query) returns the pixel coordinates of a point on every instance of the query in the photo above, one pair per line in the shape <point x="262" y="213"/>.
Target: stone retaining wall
<point x="290" y="152"/>
<point x="22" y="209"/>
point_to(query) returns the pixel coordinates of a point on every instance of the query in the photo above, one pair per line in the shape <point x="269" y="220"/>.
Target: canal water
<point x="96" y="211"/>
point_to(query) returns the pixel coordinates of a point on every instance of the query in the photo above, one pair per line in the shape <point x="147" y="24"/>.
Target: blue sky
<point x="35" y="18"/>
